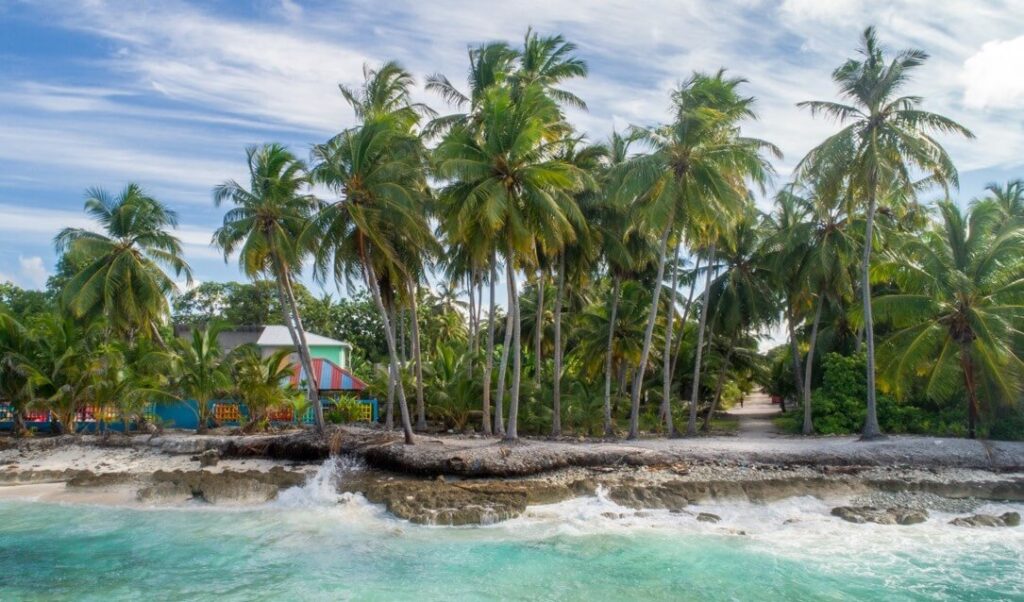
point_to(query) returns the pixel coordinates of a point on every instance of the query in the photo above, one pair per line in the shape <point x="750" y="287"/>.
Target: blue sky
<point x="169" y="94"/>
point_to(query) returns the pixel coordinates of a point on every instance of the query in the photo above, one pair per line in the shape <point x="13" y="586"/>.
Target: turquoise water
<point x="312" y="544"/>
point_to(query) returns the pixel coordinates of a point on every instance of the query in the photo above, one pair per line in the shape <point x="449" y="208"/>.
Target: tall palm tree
<point x="505" y="173"/>
<point x="376" y="226"/>
<point x="885" y="141"/>
<point x="693" y="172"/>
<point x="576" y="255"/>
<point x="958" y="309"/>
<point x="123" y="279"/>
<point x="264" y="226"/>
<point x="741" y="294"/>
<point x="386" y="96"/>
<point x="789" y="235"/>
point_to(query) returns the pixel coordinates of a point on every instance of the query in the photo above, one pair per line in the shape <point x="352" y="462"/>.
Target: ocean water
<point x="314" y="544"/>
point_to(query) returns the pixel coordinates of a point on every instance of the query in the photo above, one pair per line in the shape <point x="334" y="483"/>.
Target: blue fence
<point x="182" y="415"/>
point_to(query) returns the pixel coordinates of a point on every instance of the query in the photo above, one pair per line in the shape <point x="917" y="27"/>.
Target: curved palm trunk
<point x="290" y="312"/>
<point x="794" y="350"/>
<point x="556" y="393"/>
<point x="871" y="428"/>
<point x="538" y="332"/>
<point x="512" y="432"/>
<point x="967" y="366"/>
<point x="499" y="409"/>
<point x="471" y="341"/>
<point x="691" y="424"/>
<point x="489" y="360"/>
<point x="686" y="316"/>
<point x="808" y="428"/>
<point x="666" y="385"/>
<point x="421" y="410"/>
<point x="389" y="421"/>
<point x="652" y="317"/>
<point x="617" y="284"/>
<point x="718" y="389"/>
<point x="403" y="406"/>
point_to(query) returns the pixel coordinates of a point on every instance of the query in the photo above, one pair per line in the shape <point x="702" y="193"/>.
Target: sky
<point x="168" y="94"/>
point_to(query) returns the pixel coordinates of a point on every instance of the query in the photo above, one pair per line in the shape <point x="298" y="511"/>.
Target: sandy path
<point x="755" y="417"/>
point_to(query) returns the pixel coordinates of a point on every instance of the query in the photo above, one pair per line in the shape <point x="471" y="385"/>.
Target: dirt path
<point x="756" y="417"/>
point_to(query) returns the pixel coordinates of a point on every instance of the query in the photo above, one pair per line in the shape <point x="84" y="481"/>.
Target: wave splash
<point x="321" y="489"/>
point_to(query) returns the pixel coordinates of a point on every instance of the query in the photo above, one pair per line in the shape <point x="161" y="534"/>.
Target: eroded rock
<point x="1007" y="519"/>
<point x="881" y="516"/>
<point x="707" y="517"/>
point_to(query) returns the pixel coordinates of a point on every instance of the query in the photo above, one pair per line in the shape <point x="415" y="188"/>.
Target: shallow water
<point x="315" y="544"/>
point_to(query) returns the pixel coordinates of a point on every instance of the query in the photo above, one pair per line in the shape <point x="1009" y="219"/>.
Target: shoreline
<point x="466" y="481"/>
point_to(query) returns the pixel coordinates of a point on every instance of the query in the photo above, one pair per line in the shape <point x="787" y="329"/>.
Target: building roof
<point x="276" y="335"/>
<point x="329" y="377"/>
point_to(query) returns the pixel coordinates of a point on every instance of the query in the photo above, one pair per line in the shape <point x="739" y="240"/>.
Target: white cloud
<point x="821" y="10"/>
<point x="994" y="76"/>
<point x="34" y="271"/>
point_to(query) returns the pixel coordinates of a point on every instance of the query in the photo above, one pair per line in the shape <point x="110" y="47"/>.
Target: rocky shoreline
<point x="461" y="481"/>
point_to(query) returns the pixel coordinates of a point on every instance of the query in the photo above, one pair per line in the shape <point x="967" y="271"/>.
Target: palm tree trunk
<point x="403" y="406"/>
<point x="794" y="350"/>
<point x="556" y="391"/>
<point x="506" y="350"/>
<point x="471" y="341"/>
<point x="538" y="332"/>
<point x="617" y="284"/>
<point x="686" y="316"/>
<point x="718" y="388"/>
<point x="652" y="317"/>
<point x="871" y="428"/>
<point x="421" y="411"/>
<point x="666" y="385"/>
<point x="389" y="421"/>
<point x="967" y="366"/>
<point x="298" y="336"/>
<point x="489" y="360"/>
<point x="808" y="428"/>
<point x="691" y="424"/>
<point x="401" y="335"/>
<point x="19" y="421"/>
<point x="512" y="432"/>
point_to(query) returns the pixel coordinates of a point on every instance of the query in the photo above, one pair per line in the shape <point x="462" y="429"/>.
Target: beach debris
<point x="209" y="457"/>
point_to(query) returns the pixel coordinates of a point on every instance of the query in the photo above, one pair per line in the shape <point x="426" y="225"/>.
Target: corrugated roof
<point x="276" y="335"/>
<point x="330" y="377"/>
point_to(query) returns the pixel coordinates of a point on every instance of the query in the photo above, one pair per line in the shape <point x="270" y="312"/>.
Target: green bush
<point x="839" y="405"/>
<point x="344" y="410"/>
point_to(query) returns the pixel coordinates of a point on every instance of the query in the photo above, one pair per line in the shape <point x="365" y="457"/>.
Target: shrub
<point x="346" y="409"/>
<point x="839" y="405"/>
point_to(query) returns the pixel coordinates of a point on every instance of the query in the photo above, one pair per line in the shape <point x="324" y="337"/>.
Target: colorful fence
<point x="173" y="415"/>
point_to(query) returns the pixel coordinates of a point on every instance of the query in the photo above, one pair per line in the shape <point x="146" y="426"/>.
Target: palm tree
<point x="17" y="347"/>
<point x="503" y="172"/>
<point x="123" y="278"/>
<point x="1009" y="198"/>
<point x="885" y="141"/>
<point x="376" y="228"/>
<point x="264" y="226"/>
<point x="957" y="311"/>
<point x="694" y="172"/>
<point x="741" y="294"/>
<point x="200" y="371"/>
<point x="258" y="383"/>
<point x="385" y="96"/>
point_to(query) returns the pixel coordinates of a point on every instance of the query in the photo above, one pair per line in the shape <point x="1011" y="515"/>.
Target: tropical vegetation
<point x="501" y="272"/>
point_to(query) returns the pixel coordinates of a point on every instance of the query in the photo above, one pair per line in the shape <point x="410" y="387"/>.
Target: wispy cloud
<point x="174" y="90"/>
